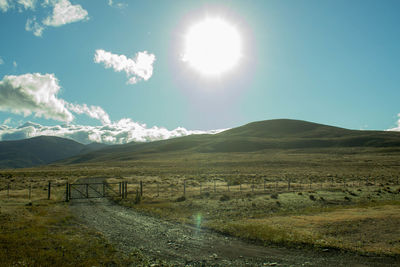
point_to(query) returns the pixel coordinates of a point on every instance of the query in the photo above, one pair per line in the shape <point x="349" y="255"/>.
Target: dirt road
<point x="187" y="245"/>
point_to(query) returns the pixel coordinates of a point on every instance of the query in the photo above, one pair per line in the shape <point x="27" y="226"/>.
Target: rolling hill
<point x="40" y="150"/>
<point x="256" y="136"/>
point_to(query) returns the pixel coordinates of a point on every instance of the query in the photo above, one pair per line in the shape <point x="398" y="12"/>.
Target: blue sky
<point x="332" y="62"/>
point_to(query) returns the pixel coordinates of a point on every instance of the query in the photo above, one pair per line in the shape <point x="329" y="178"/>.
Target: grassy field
<point x="352" y="205"/>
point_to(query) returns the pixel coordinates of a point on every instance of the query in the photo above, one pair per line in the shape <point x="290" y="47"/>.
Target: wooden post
<point x="87" y="190"/>
<point x="48" y="191"/>
<point x="66" y="192"/>
<point x="264" y="185"/>
<point x="200" y="188"/>
<point x="126" y="190"/>
<point x="30" y="191"/>
<point x="184" y="187"/>
<point x="8" y="190"/>
<point x="288" y="185"/>
<point x="120" y="189"/>
<point x="252" y="185"/>
<point x="104" y="189"/>
<point x="227" y="184"/>
<point x="215" y="187"/>
<point x="69" y="191"/>
<point x="141" y="188"/>
<point x="158" y="189"/>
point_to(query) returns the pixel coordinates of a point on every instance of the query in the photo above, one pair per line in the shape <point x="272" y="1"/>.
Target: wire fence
<point x="130" y="188"/>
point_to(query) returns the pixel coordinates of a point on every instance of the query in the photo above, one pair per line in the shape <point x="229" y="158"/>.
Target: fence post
<point x="104" y="189"/>
<point x="66" y="192"/>
<point x="87" y="190"/>
<point x="126" y="189"/>
<point x="264" y="185"/>
<point x="227" y="184"/>
<point x="288" y="184"/>
<point x="141" y="188"/>
<point x="69" y="191"/>
<point x="252" y="186"/>
<point x="184" y="187"/>
<point x="200" y="188"/>
<point x="215" y="186"/>
<point x="30" y="191"/>
<point x="48" y="191"/>
<point x="119" y="185"/>
<point x="8" y="190"/>
<point x="158" y="189"/>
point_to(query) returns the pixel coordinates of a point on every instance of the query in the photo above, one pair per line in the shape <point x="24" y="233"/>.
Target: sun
<point x="212" y="46"/>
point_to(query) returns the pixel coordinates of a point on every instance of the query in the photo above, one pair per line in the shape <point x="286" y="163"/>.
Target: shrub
<point x="274" y="196"/>
<point x="224" y="198"/>
<point x="312" y="198"/>
<point x="181" y="199"/>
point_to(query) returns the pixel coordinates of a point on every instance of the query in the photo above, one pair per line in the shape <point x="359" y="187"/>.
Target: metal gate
<point x="95" y="190"/>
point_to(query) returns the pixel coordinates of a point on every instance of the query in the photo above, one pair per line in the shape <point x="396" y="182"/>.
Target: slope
<point x="257" y="136"/>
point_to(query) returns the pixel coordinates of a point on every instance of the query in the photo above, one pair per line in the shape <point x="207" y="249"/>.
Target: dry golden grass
<point x="363" y="229"/>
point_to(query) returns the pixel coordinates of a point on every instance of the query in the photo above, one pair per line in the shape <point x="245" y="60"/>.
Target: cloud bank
<point x="120" y="132"/>
<point x="37" y="94"/>
<point x="138" y="68"/>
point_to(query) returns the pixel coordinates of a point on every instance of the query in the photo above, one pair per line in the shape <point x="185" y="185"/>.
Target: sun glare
<point x="212" y="46"/>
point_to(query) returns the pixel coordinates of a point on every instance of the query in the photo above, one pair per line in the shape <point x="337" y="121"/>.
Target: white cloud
<point x="7" y="121"/>
<point x="27" y="4"/>
<point x="94" y="112"/>
<point x="398" y="125"/>
<point x="64" y="12"/>
<point x="121" y="132"/>
<point x="5" y="5"/>
<point x="137" y="68"/>
<point x="33" y="94"/>
<point x="37" y="94"/>
<point x="1" y="60"/>
<point x="112" y="3"/>
<point x="33" y="26"/>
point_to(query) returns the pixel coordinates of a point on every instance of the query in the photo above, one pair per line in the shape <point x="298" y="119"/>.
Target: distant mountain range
<point x="256" y="136"/>
<point x="41" y="150"/>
